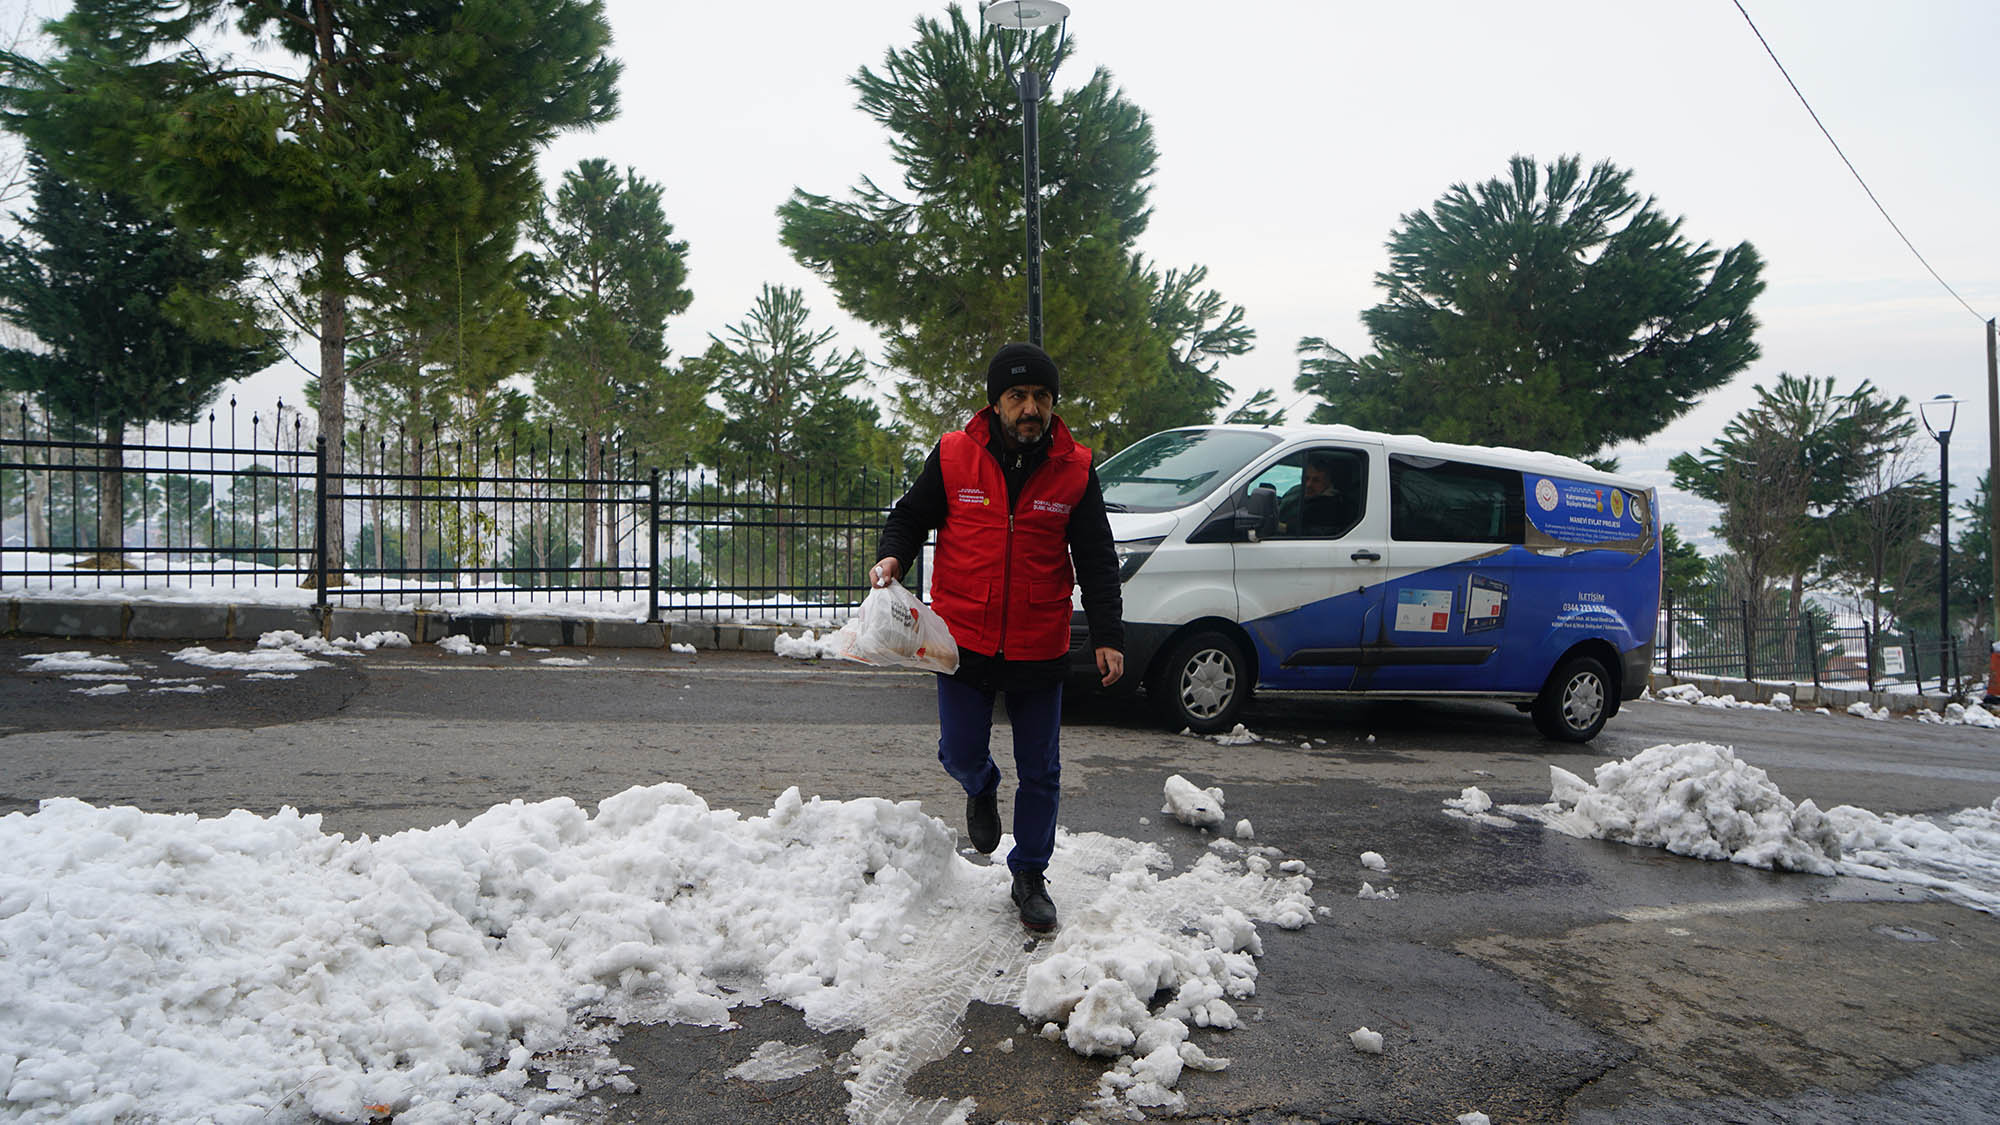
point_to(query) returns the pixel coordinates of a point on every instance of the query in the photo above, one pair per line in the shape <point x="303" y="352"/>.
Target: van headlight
<point x="1133" y="552"/>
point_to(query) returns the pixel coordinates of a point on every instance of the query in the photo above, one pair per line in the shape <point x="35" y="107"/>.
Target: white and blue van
<point x="1330" y="559"/>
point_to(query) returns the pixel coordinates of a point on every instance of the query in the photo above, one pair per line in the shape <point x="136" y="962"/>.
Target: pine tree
<point x="1804" y="452"/>
<point x="1201" y="334"/>
<point x="138" y="321"/>
<point x="406" y="130"/>
<point x="1547" y="309"/>
<point x="788" y="415"/>
<point x="610" y="275"/>
<point x="938" y="269"/>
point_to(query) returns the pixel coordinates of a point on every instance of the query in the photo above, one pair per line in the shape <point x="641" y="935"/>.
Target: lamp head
<point x="1024" y="15"/>
<point x="1939" y="415"/>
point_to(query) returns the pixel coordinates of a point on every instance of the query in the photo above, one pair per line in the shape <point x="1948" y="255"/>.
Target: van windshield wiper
<point x="1115" y="506"/>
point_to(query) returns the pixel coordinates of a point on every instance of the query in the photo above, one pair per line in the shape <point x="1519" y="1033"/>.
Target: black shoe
<point x="982" y="820"/>
<point x="1031" y="895"/>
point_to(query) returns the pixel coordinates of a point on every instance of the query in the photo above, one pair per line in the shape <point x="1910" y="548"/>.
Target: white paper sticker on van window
<point x="1423" y="611"/>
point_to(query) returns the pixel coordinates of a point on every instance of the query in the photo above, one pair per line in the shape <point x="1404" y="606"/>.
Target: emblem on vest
<point x="1050" y="506"/>
<point x="972" y="496"/>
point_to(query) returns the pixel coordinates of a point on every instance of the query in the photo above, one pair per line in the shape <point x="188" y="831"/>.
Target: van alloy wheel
<point x="1207" y="684"/>
<point x="1203" y="683"/>
<point x="1575" y="701"/>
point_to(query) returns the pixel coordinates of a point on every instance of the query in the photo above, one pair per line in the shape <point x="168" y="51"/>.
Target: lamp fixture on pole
<point x="1024" y="16"/>
<point x="1939" y="415"/>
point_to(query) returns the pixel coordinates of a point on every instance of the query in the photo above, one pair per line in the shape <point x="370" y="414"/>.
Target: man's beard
<point x="1041" y="431"/>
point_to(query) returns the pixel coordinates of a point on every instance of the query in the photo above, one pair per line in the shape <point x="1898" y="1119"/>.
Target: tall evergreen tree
<point x="610" y="275"/>
<point x="1201" y="331"/>
<point x="137" y="320"/>
<point x="1803" y="452"/>
<point x="781" y="383"/>
<point x="405" y="130"/>
<point x="789" y="417"/>
<point x="938" y="268"/>
<point x="1548" y="309"/>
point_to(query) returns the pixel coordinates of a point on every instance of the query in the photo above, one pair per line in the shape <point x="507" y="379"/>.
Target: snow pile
<point x="1373" y="861"/>
<point x="1700" y="800"/>
<point x="1691" y="695"/>
<point x="74" y="661"/>
<point x="320" y="646"/>
<point x="1191" y="805"/>
<point x="245" y="968"/>
<point x="1961" y="714"/>
<point x="1240" y="735"/>
<point x="807" y="646"/>
<point x="1695" y="799"/>
<point x="1366" y="1041"/>
<point x="458" y="644"/>
<point x="1387" y="894"/>
<point x="258" y="660"/>
<point x="1957" y="856"/>
<point x="1860" y="709"/>
<point x="1191" y="938"/>
<point x="686" y="649"/>
<point x="1472" y="803"/>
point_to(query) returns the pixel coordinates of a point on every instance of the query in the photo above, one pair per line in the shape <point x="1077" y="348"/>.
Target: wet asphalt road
<point x="1521" y="973"/>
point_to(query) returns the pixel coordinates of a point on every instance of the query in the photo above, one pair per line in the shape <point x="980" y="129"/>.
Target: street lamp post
<point x="1024" y="16"/>
<point x="1939" y="414"/>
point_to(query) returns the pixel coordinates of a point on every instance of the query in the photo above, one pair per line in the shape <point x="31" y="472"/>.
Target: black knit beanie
<point x="1017" y="365"/>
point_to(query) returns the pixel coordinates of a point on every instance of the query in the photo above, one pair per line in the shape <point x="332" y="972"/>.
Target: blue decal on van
<point x="1576" y="512"/>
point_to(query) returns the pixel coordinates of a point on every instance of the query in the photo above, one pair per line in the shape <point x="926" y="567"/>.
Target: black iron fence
<point x="744" y="540"/>
<point x="427" y="518"/>
<point x="1738" y="638"/>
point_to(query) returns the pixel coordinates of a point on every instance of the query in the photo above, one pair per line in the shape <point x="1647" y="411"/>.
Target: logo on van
<point x="1545" y="494"/>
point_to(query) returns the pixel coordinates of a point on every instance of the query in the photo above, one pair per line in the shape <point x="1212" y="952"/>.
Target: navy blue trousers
<point x="965" y="725"/>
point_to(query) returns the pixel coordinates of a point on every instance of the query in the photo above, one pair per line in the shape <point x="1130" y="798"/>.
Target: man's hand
<point x="1110" y="664"/>
<point x="888" y="570"/>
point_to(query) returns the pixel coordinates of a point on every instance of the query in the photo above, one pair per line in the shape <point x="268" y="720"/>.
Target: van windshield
<point x="1176" y="468"/>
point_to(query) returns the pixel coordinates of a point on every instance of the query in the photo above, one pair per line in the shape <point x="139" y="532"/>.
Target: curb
<point x="102" y="620"/>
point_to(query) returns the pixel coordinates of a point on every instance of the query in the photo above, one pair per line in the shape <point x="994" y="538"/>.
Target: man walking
<point x="1013" y="499"/>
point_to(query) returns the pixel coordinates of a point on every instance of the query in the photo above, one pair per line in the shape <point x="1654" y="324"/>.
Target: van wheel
<point x="1202" y="683"/>
<point x="1575" y="702"/>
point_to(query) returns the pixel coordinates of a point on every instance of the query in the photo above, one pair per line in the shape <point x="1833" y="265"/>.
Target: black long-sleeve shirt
<point x="1092" y="552"/>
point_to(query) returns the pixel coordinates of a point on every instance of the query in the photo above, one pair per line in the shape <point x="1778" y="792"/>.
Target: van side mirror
<point x="1259" y="516"/>
<point x="1252" y="518"/>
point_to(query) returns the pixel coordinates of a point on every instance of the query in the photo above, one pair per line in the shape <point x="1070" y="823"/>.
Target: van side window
<point x="1439" y="501"/>
<point x="1322" y="493"/>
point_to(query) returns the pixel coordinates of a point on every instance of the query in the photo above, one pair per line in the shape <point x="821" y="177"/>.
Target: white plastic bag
<point x="893" y="627"/>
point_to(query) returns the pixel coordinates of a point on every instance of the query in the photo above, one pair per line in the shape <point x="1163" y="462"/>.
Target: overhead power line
<point x="1850" y="164"/>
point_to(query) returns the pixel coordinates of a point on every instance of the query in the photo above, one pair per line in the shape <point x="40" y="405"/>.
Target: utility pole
<point x="1993" y="517"/>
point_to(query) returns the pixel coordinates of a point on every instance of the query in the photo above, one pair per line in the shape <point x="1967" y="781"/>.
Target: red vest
<point x="1002" y="580"/>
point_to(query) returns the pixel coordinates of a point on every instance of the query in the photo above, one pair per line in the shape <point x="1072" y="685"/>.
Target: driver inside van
<point x="1312" y="507"/>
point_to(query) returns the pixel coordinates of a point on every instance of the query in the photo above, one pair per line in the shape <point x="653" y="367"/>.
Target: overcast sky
<point x="1293" y="135"/>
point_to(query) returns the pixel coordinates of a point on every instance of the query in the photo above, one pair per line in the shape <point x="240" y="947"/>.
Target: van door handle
<point x="1365" y="555"/>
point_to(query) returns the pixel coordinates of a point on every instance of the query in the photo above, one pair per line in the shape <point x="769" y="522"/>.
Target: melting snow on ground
<point x="248" y="968"/>
<point x="1699" y="799"/>
<point x="1954" y="714"/>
